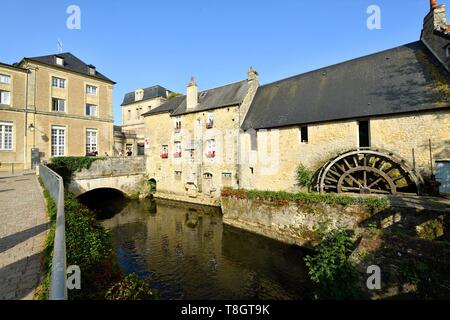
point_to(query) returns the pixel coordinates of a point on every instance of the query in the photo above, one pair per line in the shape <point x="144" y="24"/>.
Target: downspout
<point x="26" y="124"/>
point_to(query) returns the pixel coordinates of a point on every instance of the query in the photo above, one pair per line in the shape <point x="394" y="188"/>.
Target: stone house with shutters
<point x="58" y="106"/>
<point x="193" y="141"/>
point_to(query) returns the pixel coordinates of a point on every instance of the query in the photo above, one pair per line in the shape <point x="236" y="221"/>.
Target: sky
<point x="141" y="43"/>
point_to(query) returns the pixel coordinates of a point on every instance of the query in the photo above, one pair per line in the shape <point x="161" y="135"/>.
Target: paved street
<point x="23" y="229"/>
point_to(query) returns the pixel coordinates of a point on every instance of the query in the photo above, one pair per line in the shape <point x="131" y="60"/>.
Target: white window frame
<point x="4" y="134"/>
<point x="3" y="100"/>
<point x="91" y="140"/>
<point x="58" y="83"/>
<point x="59" y="61"/>
<point x="59" y="105"/>
<point x="58" y="149"/>
<point x="178" y="148"/>
<point x="91" y="90"/>
<point x="210" y="122"/>
<point x="5" y="79"/>
<point x="91" y="107"/>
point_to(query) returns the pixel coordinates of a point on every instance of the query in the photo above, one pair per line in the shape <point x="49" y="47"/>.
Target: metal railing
<point x="55" y="186"/>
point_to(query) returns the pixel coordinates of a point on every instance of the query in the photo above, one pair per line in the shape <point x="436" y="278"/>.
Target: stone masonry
<point x="23" y="230"/>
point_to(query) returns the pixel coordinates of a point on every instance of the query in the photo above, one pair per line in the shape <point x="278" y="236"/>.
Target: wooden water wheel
<point x="368" y="171"/>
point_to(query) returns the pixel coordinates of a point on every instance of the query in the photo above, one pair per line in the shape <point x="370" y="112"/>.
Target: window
<point x="364" y="134"/>
<point x="210" y="122"/>
<point x="177" y="124"/>
<point x="129" y="114"/>
<point x="5" y="98"/>
<point x="5" y="79"/>
<point x="304" y="134"/>
<point x="91" y="70"/>
<point x="91" y="90"/>
<point x="447" y="50"/>
<point x="6" y="136"/>
<point x="59" y="61"/>
<point x="138" y="95"/>
<point x="138" y="113"/>
<point x="58" y="141"/>
<point x="211" y="148"/>
<point x="253" y="140"/>
<point x="177" y="150"/>
<point x="91" y="110"/>
<point x="178" y="175"/>
<point x="58" y="105"/>
<point x="91" y="140"/>
<point x="58" y="83"/>
<point x="207" y="176"/>
<point x="165" y="152"/>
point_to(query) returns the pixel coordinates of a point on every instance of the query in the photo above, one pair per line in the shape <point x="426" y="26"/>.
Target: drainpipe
<point x="25" y="151"/>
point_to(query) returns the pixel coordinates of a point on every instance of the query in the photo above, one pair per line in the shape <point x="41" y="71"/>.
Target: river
<point x="186" y="252"/>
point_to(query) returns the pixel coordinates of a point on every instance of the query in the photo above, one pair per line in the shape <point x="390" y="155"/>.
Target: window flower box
<point x="177" y="155"/>
<point x="211" y="154"/>
<point x="177" y="130"/>
<point x="164" y="155"/>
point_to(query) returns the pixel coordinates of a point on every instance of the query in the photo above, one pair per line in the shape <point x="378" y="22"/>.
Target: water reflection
<point x="187" y="253"/>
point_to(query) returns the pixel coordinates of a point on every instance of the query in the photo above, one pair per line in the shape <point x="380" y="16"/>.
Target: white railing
<point x="55" y="186"/>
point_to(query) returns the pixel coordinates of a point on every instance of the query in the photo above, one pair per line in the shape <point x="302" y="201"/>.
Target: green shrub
<point x="330" y="269"/>
<point x="304" y="176"/>
<point x="67" y="166"/>
<point x="131" y="288"/>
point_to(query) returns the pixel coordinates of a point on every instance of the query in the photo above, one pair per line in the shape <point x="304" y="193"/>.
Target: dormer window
<point x="59" y="61"/>
<point x="447" y="50"/>
<point x="91" y="70"/>
<point x="138" y="95"/>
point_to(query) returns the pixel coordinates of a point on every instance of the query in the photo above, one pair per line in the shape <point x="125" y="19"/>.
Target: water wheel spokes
<point x="368" y="171"/>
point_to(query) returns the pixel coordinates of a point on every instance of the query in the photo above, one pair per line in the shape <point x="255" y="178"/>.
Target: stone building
<point x="377" y="124"/>
<point x="134" y="105"/>
<point x="55" y="105"/>
<point x="193" y="140"/>
<point x="396" y="101"/>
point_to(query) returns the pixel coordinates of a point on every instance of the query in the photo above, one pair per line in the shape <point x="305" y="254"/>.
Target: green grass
<point x="282" y="197"/>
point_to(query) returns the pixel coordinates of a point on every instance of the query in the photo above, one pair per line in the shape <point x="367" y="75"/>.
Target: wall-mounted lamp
<point x="31" y="127"/>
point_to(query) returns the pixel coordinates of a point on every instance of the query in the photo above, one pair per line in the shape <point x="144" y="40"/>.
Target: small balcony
<point x="164" y="155"/>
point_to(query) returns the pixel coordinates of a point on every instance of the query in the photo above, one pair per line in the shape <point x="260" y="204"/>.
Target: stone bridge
<point x="126" y="174"/>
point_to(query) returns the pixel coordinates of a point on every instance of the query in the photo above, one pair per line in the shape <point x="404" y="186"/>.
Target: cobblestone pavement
<point x="23" y="229"/>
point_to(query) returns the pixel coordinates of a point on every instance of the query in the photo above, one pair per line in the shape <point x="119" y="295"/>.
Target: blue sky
<point x="143" y="43"/>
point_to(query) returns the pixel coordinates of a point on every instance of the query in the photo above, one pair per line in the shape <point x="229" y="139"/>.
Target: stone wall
<point x="299" y="223"/>
<point x="113" y="166"/>
<point x="272" y="166"/>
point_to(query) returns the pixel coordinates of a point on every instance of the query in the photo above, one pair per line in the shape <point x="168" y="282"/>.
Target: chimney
<point x="252" y="75"/>
<point x="435" y="32"/>
<point x="433" y="4"/>
<point x="192" y="95"/>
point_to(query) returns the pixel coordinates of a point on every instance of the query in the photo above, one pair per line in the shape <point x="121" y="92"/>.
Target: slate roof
<point x="398" y="80"/>
<point x="71" y="63"/>
<point x="168" y="106"/>
<point x="149" y="93"/>
<point x="228" y="95"/>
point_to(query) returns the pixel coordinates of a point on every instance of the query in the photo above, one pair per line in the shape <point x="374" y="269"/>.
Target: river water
<point x="186" y="252"/>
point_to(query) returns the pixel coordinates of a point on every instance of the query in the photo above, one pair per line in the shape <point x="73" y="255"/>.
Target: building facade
<point x="58" y="106"/>
<point x="134" y="105"/>
<point x="193" y="141"/>
<point x="377" y="124"/>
